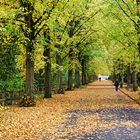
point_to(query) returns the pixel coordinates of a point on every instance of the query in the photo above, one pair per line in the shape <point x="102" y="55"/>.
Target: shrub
<point x="27" y="101"/>
<point x="135" y="87"/>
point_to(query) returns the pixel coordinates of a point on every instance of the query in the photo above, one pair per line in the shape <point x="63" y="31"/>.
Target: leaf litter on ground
<point x="69" y="115"/>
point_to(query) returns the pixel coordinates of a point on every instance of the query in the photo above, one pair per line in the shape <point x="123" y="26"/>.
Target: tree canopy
<point x="50" y="43"/>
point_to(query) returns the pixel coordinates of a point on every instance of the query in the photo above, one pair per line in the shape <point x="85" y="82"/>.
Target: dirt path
<point x="96" y="112"/>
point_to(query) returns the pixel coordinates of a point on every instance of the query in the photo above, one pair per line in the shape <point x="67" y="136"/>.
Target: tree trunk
<point x="135" y="84"/>
<point x="60" y="89"/>
<point x="138" y="24"/>
<point x="86" y="72"/>
<point x="29" y="70"/>
<point x="40" y="80"/>
<point x="135" y="77"/>
<point x="121" y="80"/>
<point x="138" y="76"/>
<point x="29" y="33"/>
<point x="70" y="80"/>
<point x="47" y="59"/>
<point x="83" y="72"/>
<point x="89" y="78"/>
<point x="128" y="76"/>
<point x="70" y="71"/>
<point x="77" y="78"/>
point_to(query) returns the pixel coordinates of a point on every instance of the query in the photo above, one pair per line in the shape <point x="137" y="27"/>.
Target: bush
<point x="27" y="101"/>
<point x="61" y="91"/>
<point x="135" y="87"/>
<point x="10" y="77"/>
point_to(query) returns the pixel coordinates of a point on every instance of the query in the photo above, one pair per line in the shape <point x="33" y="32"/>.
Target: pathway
<point x="96" y="112"/>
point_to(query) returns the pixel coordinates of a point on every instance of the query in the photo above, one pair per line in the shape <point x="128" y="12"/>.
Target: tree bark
<point x="70" y="71"/>
<point x="60" y="89"/>
<point x="40" y="80"/>
<point x="83" y="72"/>
<point x="138" y="29"/>
<point x="138" y="76"/>
<point x="121" y="80"/>
<point x="70" y="80"/>
<point x="135" y="84"/>
<point x="138" y="23"/>
<point x="29" y="33"/>
<point x="134" y="77"/>
<point x="77" y="77"/>
<point x="29" y="70"/>
<point x="47" y="59"/>
<point x="128" y="76"/>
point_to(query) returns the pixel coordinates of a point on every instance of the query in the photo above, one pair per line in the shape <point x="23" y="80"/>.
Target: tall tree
<point x="47" y="59"/>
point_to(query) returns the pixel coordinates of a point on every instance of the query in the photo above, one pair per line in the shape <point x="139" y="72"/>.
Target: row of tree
<point x="127" y="36"/>
<point x="42" y="36"/>
<point x="56" y="42"/>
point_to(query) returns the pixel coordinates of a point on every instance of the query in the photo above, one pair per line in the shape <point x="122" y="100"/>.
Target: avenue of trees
<point x="56" y="45"/>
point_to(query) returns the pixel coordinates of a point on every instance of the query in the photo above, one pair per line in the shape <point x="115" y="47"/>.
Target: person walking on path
<point x="116" y="84"/>
<point x="100" y="79"/>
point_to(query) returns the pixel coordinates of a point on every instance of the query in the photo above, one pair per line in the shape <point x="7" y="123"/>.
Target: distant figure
<point x="99" y="78"/>
<point x="116" y="84"/>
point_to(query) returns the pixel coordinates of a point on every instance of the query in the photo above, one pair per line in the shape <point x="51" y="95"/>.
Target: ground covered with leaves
<point x="133" y="94"/>
<point x="96" y="112"/>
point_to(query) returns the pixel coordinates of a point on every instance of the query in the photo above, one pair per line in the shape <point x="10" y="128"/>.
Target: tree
<point x="132" y="13"/>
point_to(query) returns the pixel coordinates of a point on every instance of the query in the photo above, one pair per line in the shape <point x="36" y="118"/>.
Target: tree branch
<point x="76" y="31"/>
<point x="126" y="13"/>
<point x="38" y="32"/>
<point x="40" y="17"/>
<point x="127" y="6"/>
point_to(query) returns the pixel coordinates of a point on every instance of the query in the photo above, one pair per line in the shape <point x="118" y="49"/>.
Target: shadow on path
<point x="115" y="133"/>
<point x="107" y="114"/>
<point x="119" y="132"/>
